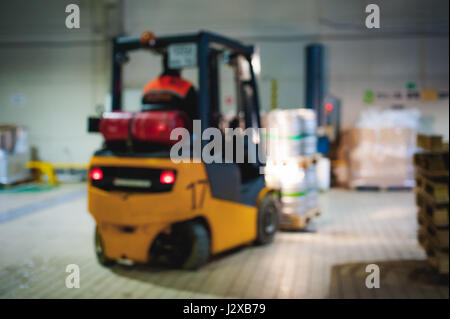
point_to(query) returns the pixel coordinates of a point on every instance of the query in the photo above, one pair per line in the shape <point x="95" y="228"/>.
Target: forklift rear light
<point x="96" y="174"/>
<point x="167" y="177"/>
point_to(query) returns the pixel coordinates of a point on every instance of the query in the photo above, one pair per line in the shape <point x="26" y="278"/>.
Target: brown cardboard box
<point x="361" y="135"/>
<point x="381" y="157"/>
<point x="397" y="136"/>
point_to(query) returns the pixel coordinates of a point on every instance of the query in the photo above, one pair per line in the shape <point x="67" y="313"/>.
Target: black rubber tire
<point x="191" y="246"/>
<point x="268" y="219"/>
<point x="99" y="251"/>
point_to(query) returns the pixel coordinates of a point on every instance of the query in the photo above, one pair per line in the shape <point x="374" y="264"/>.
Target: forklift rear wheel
<point x="267" y="219"/>
<point x="100" y="252"/>
<point x="190" y="245"/>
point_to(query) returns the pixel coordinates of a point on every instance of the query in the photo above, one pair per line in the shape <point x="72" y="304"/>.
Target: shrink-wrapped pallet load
<point x="381" y="148"/>
<point x="14" y="155"/>
<point x="291" y="155"/>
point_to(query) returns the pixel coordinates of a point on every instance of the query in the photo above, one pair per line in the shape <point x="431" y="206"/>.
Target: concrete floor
<point x="41" y="233"/>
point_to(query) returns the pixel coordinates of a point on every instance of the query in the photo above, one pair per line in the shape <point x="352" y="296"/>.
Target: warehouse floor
<point x="42" y="232"/>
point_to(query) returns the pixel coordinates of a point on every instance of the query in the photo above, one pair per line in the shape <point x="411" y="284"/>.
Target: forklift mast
<point x="209" y="47"/>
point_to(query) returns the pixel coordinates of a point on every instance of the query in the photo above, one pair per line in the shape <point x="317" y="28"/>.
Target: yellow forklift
<point x="148" y="207"/>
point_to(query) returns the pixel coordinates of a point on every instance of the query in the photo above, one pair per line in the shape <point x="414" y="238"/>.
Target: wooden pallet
<point x="436" y="236"/>
<point x="437" y="257"/>
<point x="439" y="176"/>
<point x="421" y="232"/>
<point x="439" y="260"/>
<point x="431" y="143"/>
<point x="297" y="222"/>
<point x="436" y="190"/>
<point x="437" y="213"/>
<point x="434" y="240"/>
<point x="433" y="162"/>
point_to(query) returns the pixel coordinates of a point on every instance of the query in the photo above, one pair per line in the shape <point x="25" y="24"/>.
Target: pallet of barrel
<point x="291" y="133"/>
<point x="432" y="173"/>
<point x="291" y="157"/>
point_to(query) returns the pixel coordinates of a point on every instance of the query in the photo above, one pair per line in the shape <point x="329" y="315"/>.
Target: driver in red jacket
<point x="170" y="91"/>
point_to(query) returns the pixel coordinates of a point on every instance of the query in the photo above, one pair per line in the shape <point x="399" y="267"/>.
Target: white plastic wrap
<point x="290" y="133"/>
<point x="298" y="186"/>
<point x="14" y="155"/>
<point x="381" y="148"/>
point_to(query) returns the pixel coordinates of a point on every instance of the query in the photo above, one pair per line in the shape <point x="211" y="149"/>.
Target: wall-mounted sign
<point x="429" y="95"/>
<point x="369" y="97"/>
<point x="410" y="85"/>
<point x="411" y="94"/>
<point x="18" y="99"/>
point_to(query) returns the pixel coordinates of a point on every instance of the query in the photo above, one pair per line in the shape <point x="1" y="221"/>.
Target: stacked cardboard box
<point x="381" y="147"/>
<point x="432" y="173"/>
<point x="381" y="157"/>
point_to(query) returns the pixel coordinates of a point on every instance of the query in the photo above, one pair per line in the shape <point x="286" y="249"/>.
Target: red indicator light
<point x="167" y="177"/>
<point x="96" y="174"/>
<point x="161" y="128"/>
<point x="329" y="107"/>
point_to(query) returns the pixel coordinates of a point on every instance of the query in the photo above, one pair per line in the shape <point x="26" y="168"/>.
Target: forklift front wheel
<point x="267" y="219"/>
<point x="100" y="252"/>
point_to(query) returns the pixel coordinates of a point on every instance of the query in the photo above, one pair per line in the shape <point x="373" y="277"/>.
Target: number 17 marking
<point x="201" y="200"/>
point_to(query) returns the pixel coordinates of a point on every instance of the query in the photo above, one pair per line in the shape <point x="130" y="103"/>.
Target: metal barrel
<point x="293" y="186"/>
<point x="309" y="126"/>
<point x="294" y="199"/>
<point x="291" y="133"/>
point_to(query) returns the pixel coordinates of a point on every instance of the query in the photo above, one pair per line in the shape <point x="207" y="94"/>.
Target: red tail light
<point x="167" y="177"/>
<point x="115" y="126"/>
<point x="96" y="174"/>
<point x="156" y="126"/>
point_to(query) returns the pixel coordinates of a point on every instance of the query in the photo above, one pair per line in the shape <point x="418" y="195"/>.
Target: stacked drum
<point x="291" y="133"/>
<point x="291" y="155"/>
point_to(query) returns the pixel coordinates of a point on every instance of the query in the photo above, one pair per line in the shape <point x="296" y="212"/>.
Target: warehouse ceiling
<point x="26" y="20"/>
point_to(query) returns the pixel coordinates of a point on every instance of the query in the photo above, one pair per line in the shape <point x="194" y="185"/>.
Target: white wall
<point x="63" y="74"/>
<point x="387" y="65"/>
<point x="60" y="75"/>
